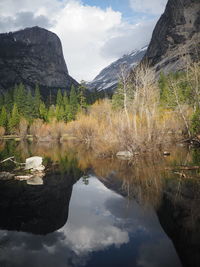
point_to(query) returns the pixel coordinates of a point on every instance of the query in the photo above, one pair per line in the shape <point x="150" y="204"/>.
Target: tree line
<point x="22" y="104"/>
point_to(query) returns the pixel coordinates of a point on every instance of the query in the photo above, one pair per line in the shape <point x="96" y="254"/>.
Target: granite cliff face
<point x="176" y="34"/>
<point x="33" y="56"/>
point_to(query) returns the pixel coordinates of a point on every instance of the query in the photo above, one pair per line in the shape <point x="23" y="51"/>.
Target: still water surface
<point x="100" y="212"/>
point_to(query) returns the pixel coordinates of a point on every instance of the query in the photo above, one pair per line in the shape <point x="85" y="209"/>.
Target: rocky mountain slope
<point x="176" y="34"/>
<point x="108" y="78"/>
<point x="33" y="56"/>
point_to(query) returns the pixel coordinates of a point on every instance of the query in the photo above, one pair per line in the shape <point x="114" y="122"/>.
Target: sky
<point x="93" y="33"/>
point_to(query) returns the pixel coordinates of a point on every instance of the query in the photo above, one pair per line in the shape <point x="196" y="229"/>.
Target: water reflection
<point x="115" y="220"/>
<point x="38" y="209"/>
<point x="103" y="229"/>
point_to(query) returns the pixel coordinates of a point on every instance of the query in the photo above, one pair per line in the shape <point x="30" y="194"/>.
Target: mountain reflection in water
<point x="99" y="212"/>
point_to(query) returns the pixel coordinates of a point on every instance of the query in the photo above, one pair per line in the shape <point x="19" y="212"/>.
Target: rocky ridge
<point x="176" y="37"/>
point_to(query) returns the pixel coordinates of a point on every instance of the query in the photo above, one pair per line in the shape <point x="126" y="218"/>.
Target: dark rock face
<point x="33" y="56"/>
<point x="108" y="78"/>
<point x="176" y="34"/>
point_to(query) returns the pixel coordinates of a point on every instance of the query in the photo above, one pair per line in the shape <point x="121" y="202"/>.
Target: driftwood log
<point x="13" y="160"/>
<point x="183" y="168"/>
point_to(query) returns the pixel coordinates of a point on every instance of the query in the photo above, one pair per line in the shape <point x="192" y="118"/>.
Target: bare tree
<point x="124" y="78"/>
<point x="146" y="96"/>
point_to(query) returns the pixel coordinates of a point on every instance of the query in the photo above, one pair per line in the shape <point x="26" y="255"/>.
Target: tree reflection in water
<point x="147" y="179"/>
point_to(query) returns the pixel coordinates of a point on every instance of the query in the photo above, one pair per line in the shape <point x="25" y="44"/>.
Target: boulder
<point x="34" y="163"/>
<point x="124" y="155"/>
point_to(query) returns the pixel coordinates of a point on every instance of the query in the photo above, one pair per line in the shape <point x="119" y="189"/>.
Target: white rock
<point x="124" y="154"/>
<point x="34" y="163"/>
<point x="40" y="168"/>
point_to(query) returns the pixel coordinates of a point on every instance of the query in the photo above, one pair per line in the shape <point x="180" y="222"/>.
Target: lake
<point x="89" y="211"/>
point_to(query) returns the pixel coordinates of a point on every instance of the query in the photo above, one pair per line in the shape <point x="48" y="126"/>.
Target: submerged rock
<point x="124" y="155"/>
<point x="6" y="176"/>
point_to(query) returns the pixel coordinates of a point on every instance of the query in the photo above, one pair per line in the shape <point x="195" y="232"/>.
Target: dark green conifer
<point x="73" y="103"/>
<point x="37" y="100"/>
<point x="59" y="98"/>
<point x="19" y="98"/>
<point x="3" y="117"/>
<point x="14" y="120"/>
<point x="43" y="111"/>
<point x="82" y="96"/>
<point x="8" y="101"/>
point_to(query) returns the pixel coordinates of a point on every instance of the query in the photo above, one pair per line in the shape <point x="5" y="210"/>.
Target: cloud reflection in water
<point x="103" y="229"/>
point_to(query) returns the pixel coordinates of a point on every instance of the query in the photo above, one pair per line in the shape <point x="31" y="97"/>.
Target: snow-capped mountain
<point x="108" y="78"/>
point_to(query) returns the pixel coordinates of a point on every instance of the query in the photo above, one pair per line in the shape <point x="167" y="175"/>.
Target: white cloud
<point x="91" y="37"/>
<point x="132" y="37"/>
<point x="155" y="7"/>
<point x="84" y="30"/>
<point x="23" y="19"/>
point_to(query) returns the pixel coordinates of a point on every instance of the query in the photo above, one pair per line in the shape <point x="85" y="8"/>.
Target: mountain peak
<point x="107" y="79"/>
<point x="33" y="56"/>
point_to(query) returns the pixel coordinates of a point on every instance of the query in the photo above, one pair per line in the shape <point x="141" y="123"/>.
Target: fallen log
<point x="184" y="168"/>
<point x="12" y="159"/>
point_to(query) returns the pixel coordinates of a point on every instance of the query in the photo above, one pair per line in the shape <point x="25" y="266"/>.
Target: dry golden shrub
<point x="23" y="128"/>
<point x="57" y="129"/>
<point x="36" y="125"/>
<point x="107" y="131"/>
<point x="47" y="131"/>
<point x="85" y="129"/>
<point x="2" y="131"/>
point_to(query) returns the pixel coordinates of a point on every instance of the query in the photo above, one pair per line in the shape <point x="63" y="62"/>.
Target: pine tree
<point x="43" y="111"/>
<point x="73" y="103"/>
<point x="20" y="98"/>
<point x="65" y="99"/>
<point x="59" y="98"/>
<point x="82" y="96"/>
<point x="3" y="117"/>
<point x="29" y="110"/>
<point x="51" y="113"/>
<point x="60" y="114"/>
<point x="8" y="101"/>
<point x="14" y="120"/>
<point x="68" y="113"/>
<point x="37" y="101"/>
<point x="1" y="100"/>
